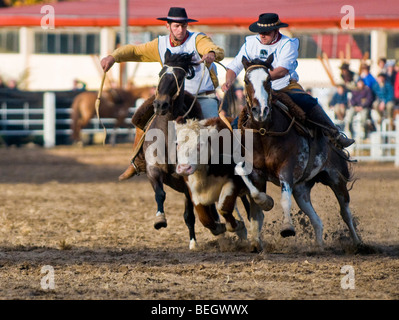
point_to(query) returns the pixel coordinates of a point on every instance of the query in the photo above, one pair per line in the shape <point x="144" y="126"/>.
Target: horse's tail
<point x="345" y="161"/>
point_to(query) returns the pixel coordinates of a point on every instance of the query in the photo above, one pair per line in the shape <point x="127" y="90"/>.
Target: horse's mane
<point x="258" y="61"/>
<point x="183" y="60"/>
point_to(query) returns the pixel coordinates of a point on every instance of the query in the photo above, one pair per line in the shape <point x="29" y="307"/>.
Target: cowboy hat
<point x="177" y="14"/>
<point x="267" y="22"/>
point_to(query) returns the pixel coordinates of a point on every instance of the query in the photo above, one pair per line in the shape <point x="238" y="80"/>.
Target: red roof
<point x="298" y="14"/>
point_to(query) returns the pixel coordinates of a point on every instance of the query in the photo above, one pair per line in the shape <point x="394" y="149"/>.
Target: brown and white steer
<point x="211" y="181"/>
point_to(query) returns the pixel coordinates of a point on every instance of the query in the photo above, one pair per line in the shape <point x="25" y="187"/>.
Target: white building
<point x="47" y="47"/>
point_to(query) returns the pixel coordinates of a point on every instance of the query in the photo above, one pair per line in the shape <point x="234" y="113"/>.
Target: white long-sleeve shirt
<point x="285" y="53"/>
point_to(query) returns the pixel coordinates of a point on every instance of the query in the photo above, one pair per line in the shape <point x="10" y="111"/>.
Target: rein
<point x="264" y="132"/>
<point x="97" y="105"/>
<point x="169" y="70"/>
<point x="196" y="94"/>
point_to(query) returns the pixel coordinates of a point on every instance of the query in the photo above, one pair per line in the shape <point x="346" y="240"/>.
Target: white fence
<point x="43" y="122"/>
<point x="382" y="146"/>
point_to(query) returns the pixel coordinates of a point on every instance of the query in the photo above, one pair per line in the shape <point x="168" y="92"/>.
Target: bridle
<point x="248" y="100"/>
<point x="262" y="131"/>
<point x="170" y="70"/>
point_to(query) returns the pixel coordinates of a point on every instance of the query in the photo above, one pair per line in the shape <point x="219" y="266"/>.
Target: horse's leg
<point x="246" y="205"/>
<point x="302" y="197"/>
<point x="256" y="223"/>
<point x="189" y="219"/>
<point x="112" y="138"/>
<point x="341" y="193"/>
<point x="287" y="228"/>
<point x="155" y="176"/>
<point x="75" y="125"/>
<point x="261" y="198"/>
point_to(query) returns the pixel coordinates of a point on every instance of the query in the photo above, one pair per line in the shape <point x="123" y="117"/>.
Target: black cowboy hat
<point x="267" y="22"/>
<point x="177" y="14"/>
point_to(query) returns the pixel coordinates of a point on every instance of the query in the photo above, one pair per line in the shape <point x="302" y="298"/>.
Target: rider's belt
<point x="207" y="93"/>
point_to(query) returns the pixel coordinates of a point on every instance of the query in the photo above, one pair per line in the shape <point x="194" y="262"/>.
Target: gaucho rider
<point x="284" y="78"/>
<point x="179" y="40"/>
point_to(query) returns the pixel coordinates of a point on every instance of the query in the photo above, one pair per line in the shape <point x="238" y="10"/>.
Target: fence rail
<point x="383" y="146"/>
<point x="49" y="121"/>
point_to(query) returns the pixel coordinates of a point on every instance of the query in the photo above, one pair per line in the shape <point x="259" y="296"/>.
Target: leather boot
<point x="318" y="116"/>
<point x="132" y="169"/>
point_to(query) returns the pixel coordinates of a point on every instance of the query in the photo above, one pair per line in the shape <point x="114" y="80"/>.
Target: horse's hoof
<point x="193" y="244"/>
<point x="129" y="172"/>
<point x="220" y="228"/>
<point x="267" y="204"/>
<point x="160" y="221"/>
<point x="256" y="247"/>
<point x="239" y="230"/>
<point x="362" y="248"/>
<point x="287" y="230"/>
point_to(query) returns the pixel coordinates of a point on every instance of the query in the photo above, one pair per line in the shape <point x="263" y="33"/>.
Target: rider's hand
<point x="208" y="57"/>
<point x="226" y="86"/>
<point x="107" y="63"/>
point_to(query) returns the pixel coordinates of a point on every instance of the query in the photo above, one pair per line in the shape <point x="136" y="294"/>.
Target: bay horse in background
<point x="169" y="103"/>
<point x="289" y="159"/>
<point x="114" y="103"/>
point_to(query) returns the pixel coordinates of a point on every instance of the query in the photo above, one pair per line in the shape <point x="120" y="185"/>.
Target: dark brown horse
<point x="292" y="160"/>
<point x="114" y="103"/>
<point x="171" y="102"/>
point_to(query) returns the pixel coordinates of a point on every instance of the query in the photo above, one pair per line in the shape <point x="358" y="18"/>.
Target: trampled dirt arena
<point x="64" y="209"/>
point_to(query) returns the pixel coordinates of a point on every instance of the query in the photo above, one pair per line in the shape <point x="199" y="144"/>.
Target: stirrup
<point x="134" y="166"/>
<point x="343" y="141"/>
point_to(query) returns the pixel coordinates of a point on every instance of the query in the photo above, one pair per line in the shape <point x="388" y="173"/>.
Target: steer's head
<point x="190" y="144"/>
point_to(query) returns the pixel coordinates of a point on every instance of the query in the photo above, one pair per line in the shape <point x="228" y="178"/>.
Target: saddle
<point x="290" y="108"/>
<point x="298" y="116"/>
<point x="144" y="113"/>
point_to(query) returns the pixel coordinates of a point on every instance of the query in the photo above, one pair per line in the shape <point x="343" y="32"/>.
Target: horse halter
<point x="170" y="70"/>
<point x="263" y="131"/>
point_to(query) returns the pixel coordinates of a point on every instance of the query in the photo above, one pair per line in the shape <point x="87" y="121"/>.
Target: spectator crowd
<point x="374" y="97"/>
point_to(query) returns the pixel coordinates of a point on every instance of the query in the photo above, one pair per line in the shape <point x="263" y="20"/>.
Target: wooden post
<point x="325" y="63"/>
<point x="123" y="16"/>
<point x="49" y="116"/>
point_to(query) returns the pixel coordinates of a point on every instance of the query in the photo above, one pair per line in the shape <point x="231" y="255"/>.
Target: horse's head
<point x="258" y="87"/>
<point x="176" y="69"/>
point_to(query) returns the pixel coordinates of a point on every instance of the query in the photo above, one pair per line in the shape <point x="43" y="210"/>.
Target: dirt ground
<point x="64" y="209"/>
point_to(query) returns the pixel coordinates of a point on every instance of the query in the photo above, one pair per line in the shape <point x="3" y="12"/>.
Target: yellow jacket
<point x="148" y="52"/>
